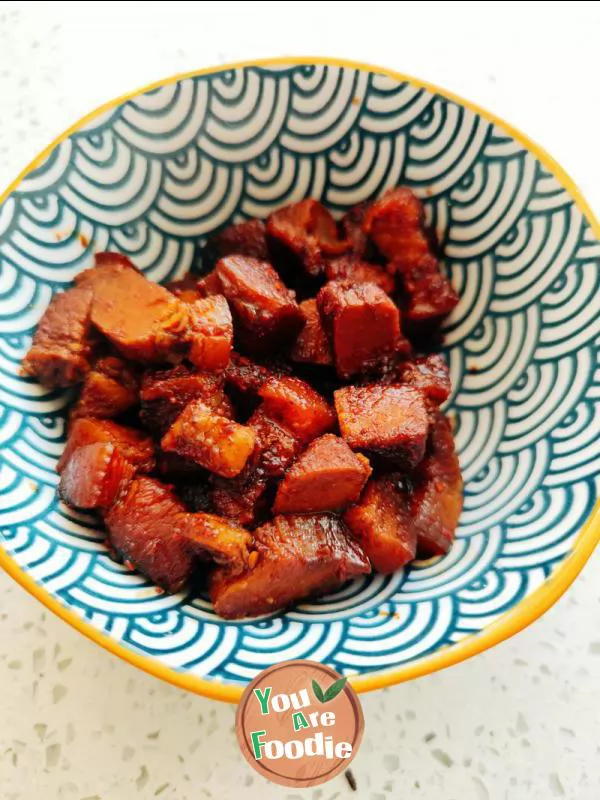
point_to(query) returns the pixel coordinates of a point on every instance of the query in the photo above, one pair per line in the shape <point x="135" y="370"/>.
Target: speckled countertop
<point x="520" y="721"/>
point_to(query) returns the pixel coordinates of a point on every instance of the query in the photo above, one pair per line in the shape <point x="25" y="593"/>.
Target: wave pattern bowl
<point x="152" y="175"/>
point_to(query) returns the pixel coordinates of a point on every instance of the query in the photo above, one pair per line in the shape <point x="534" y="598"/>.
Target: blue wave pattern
<point x="153" y="177"/>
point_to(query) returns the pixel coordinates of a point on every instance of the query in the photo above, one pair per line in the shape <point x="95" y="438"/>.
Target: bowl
<point x="152" y="174"/>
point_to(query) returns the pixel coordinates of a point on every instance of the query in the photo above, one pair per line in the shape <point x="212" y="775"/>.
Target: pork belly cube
<point x="265" y="311"/>
<point x="108" y="390"/>
<point x="165" y="393"/>
<point x="364" y="326"/>
<point x="312" y="345"/>
<point x="62" y="344"/>
<point x="95" y="476"/>
<point x="211" y="334"/>
<point x="135" y="446"/>
<point x="275" y="448"/>
<point x="244" y="499"/>
<point x="219" y="539"/>
<point x="244" y="239"/>
<point x="389" y="420"/>
<point x="244" y="376"/>
<point x="297" y="556"/>
<point x="297" y="406"/>
<point x="186" y="288"/>
<point x="304" y="234"/>
<point x="429" y="374"/>
<point x="209" y="284"/>
<point x="396" y="224"/>
<point x="430" y="295"/>
<point x="437" y="496"/>
<point x="328" y="476"/>
<point x="215" y="442"/>
<point x="247" y="497"/>
<point x="381" y="523"/>
<point x="350" y="268"/>
<point x="143" y="320"/>
<point x="143" y="528"/>
<point x="351" y="225"/>
<point x="243" y="379"/>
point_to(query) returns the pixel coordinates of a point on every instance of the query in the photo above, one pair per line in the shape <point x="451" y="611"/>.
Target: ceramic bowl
<point x="152" y="174"/>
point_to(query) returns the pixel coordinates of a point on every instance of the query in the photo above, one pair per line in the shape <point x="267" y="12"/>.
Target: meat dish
<point x="271" y="427"/>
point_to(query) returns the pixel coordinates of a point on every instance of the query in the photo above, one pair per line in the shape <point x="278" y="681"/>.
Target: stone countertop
<point x="518" y="721"/>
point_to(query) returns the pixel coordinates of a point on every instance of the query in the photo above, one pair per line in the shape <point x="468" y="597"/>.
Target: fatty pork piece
<point x="62" y="343"/>
<point x="186" y="288"/>
<point x="220" y="539"/>
<point x="395" y="222"/>
<point x="350" y="268"/>
<point x="312" y="345"/>
<point x="210" y="333"/>
<point x="297" y="406"/>
<point x="135" y="446"/>
<point x="265" y="311"/>
<point x="244" y="239"/>
<point x="351" y="225"/>
<point x="391" y="421"/>
<point x="109" y="389"/>
<point x="245" y="377"/>
<point x="328" y="476"/>
<point x="151" y="528"/>
<point x="209" y="285"/>
<point x="276" y="447"/>
<point x="382" y="524"/>
<point x="363" y="324"/>
<point x="143" y="320"/>
<point x="95" y="476"/>
<point x="215" y="442"/>
<point x="304" y="234"/>
<point x="165" y="393"/>
<point x="296" y="557"/>
<point x="430" y="295"/>
<point x="429" y="374"/>
<point x="437" y="496"/>
<point x="246" y="498"/>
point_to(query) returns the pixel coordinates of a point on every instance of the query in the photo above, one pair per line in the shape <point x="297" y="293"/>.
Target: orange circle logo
<point x="299" y="723"/>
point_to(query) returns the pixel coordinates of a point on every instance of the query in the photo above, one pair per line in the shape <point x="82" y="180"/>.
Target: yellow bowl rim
<point x="513" y="620"/>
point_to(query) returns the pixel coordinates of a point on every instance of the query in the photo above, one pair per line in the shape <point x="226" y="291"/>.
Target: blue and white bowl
<point x="154" y="173"/>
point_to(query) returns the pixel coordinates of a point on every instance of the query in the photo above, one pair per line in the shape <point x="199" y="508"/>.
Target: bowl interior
<point x="152" y="176"/>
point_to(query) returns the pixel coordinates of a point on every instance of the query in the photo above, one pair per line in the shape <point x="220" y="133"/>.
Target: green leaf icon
<point x="331" y="693"/>
<point x="318" y="692"/>
<point x="334" y="689"/>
